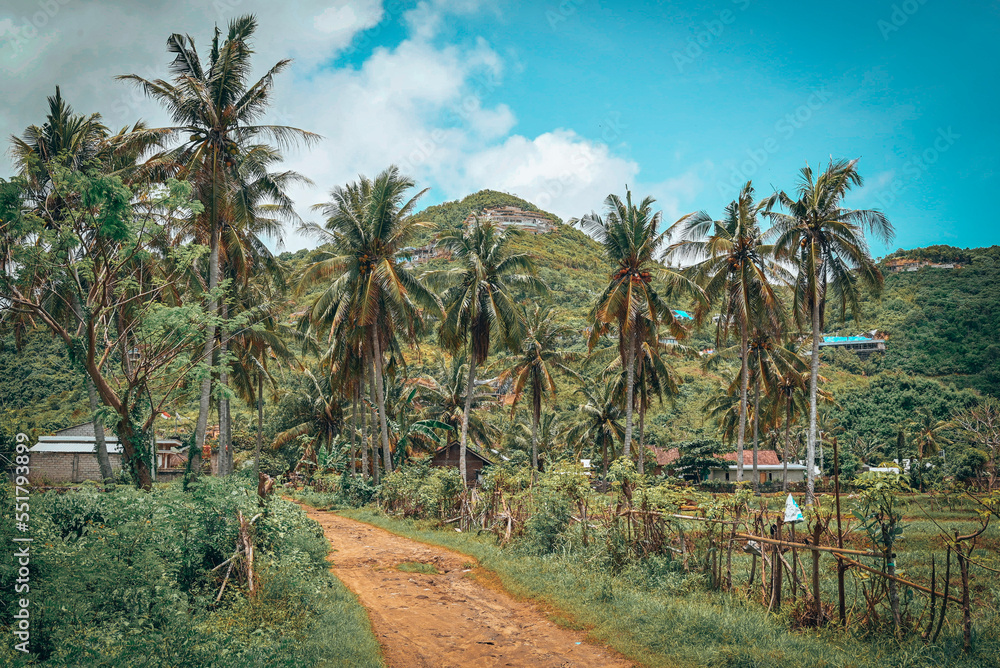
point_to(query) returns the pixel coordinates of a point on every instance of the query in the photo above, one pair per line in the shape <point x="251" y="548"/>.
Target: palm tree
<point x="480" y="307"/>
<point x="215" y="109"/>
<point x="827" y="244"/>
<point x="787" y="394"/>
<point x="257" y="346"/>
<point x="598" y="421"/>
<point x="928" y="436"/>
<point x="533" y="369"/>
<point x="631" y="243"/>
<point x="772" y="365"/>
<point x="654" y="378"/>
<point x="244" y="260"/>
<point x="444" y="397"/>
<point x="372" y="297"/>
<point x="735" y="271"/>
<point x="319" y="416"/>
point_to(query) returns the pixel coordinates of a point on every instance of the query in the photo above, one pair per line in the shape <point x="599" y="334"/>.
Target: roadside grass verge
<point x="660" y="617"/>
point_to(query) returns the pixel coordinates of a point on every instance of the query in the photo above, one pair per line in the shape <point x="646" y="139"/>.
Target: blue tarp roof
<point x="846" y="339"/>
<point x="682" y="314"/>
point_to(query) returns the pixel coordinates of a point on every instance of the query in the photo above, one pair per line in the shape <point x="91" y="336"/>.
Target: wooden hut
<point x="475" y="461"/>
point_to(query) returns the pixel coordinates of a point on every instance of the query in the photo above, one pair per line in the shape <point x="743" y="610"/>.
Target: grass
<point x="124" y="578"/>
<point x="417" y="567"/>
<point x="660" y="617"/>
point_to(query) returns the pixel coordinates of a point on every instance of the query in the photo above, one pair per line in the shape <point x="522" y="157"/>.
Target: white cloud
<point x="420" y="104"/>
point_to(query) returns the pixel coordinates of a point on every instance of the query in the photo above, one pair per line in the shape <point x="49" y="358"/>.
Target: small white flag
<point x="792" y="512"/>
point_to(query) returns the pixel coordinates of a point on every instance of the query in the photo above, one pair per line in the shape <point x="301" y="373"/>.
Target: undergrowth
<point x="127" y="578"/>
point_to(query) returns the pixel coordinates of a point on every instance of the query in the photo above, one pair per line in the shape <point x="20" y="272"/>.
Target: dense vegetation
<point x="609" y="563"/>
<point x="126" y="578"/>
<point x="136" y="279"/>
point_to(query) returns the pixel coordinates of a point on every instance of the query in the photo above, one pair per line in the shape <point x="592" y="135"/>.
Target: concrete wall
<point x="68" y="466"/>
<point x="794" y="475"/>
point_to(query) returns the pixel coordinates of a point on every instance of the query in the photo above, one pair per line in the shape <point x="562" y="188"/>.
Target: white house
<point x="68" y="455"/>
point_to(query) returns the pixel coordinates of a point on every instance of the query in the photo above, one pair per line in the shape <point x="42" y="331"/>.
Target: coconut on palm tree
<point x="826" y="242"/>
<point x="735" y="269"/>
<point x="480" y="306"/>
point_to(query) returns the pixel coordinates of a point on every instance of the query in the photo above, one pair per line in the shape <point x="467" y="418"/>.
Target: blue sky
<point x="564" y="102"/>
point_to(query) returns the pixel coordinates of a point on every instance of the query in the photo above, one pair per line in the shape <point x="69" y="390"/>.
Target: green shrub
<point x="127" y="578"/>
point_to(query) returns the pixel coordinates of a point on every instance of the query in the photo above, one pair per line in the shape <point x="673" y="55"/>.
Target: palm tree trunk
<point x="380" y="392"/>
<point x="813" y="382"/>
<point x="744" y="383"/>
<point x="465" y="419"/>
<point x="103" y="461"/>
<point x="376" y="473"/>
<point x="364" y="427"/>
<point x="629" y="397"/>
<point x="225" y="423"/>
<point x="642" y="435"/>
<point x="536" y="416"/>
<point x="604" y="465"/>
<point x="788" y="426"/>
<point x="204" y="405"/>
<point x="260" y="425"/>
<point x="756" y="434"/>
<point x="354" y="430"/>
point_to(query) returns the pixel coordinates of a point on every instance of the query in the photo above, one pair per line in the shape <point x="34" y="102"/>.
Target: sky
<point x="563" y="102"/>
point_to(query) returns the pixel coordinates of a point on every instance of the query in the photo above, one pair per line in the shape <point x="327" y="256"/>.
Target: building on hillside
<point x="512" y="216"/>
<point x="769" y="466"/>
<point x="864" y="346"/>
<point x="475" y="461"/>
<point x="413" y="255"/>
<point x="903" y="264"/>
<point x="68" y="456"/>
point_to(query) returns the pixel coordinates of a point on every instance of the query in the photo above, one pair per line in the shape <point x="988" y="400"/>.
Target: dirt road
<point x="447" y="618"/>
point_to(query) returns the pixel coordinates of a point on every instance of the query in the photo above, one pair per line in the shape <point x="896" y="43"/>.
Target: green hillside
<point x="941" y="325"/>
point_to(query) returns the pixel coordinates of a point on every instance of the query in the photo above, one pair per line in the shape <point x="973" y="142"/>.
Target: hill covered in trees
<point x="940" y="323"/>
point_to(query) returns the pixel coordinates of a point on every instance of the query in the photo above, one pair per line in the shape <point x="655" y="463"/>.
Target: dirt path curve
<point x="445" y="619"/>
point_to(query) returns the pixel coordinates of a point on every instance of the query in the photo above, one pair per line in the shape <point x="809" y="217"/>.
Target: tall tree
<point x="371" y="297"/>
<point x="532" y="370"/>
<point x="480" y="307"/>
<point x="598" y="422"/>
<point x="215" y="111"/>
<point x="132" y="328"/>
<point x="70" y="141"/>
<point x="654" y="378"/>
<point x="788" y="398"/>
<point x="826" y="242"/>
<point x="771" y="365"/>
<point x="735" y="269"/>
<point x="631" y="241"/>
<point x="442" y="398"/>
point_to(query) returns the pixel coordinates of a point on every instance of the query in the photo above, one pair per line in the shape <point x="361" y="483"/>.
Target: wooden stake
<point x="841" y="598"/>
<point x="817" y="605"/>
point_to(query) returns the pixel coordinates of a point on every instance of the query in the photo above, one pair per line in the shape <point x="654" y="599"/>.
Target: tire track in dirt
<point x="446" y="619"/>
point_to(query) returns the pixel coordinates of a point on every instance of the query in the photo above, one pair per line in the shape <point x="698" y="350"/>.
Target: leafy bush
<point x="422" y="491"/>
<point x="126" y="578"/>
